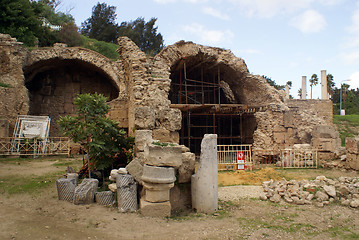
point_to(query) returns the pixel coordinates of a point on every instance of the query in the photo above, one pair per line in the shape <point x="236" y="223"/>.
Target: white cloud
<point x="354" y="80"/>
<point x="331" y="2"/>
<point x="309" y="22"/>
<point x="270" y="8"/>
<point x="206" y="36"/>
<point x="215" y="13"/>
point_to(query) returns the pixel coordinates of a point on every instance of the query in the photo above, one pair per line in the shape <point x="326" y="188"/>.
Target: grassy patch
<point x="341" y="232"/>
<point x="348" y="126"/>
<point x="31" y="184"/>
<point x="4" y="85"/>
<point x="104" y="48"/>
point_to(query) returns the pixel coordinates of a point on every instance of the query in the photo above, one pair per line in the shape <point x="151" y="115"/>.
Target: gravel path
<point x="232" y="193"/>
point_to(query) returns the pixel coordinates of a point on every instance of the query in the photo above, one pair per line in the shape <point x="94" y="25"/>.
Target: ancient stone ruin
<point x="175" y="98"/>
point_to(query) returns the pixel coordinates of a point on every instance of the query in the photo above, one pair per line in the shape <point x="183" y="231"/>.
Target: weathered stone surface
<point x="275" y="198"/>
<point x="105" y="198"/>
<point x="169" y="119"/>
<point x="205" y="180"/>
<point x="135" y="168"/>
<point x="143" y="138"/>
<point x="85" y="192"/>
<point x="353" y="160"/>
<point x="154" y="174"/>
<point x="4" y="128"/>
<point x="160" y="210"/>
<point x="180" y="197"/>
<point x="352" y="145"/>
<point x="157" y="192"/>
<point x="73" y="176"/>
<point x="354" y="203"/>
<point x="144" y="118"/>
<point x="65" y="189"/>
<point x="164" y="135"/>
<point x="126" y="193"/>
<point x="112" y="187"/>
<point x="186" y="169"/>
<point x="167" y="156"/>
<point x="330" y="190"/>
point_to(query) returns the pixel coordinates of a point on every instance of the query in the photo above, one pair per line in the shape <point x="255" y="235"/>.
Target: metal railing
<point x="232" y="157"/>
<point x="286" y="158"/>
<point x="229" y="156"/>
<point x="35" y="147"/>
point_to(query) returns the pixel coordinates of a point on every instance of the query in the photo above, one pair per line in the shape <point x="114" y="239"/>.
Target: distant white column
<point x="304" y="87"/>
<point x="323" y="83"/>
<point x="286" y="91"/>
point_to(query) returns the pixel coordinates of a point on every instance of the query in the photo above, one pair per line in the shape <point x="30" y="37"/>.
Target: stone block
<point x="169" y="118"/>
<point x="325" y="131"/>
<point x="153" y="174"/>
<point x="144" y="118"/>
<point x="105" y="198"/>
<point x="205" y="180"/>
<point x="180" y="197"/>
<point x="85" y="192"/>
<point x="279" y="137"/>
<point x="324" y="156"/>
<point x="160" y="210"/>
<point x="288" y="119"/>
<point x="324" y="144"/>
<point x="353" y="161"/>
<point x="143" y="138"/>
<point x="157" y="192"/>
<point x="164" y="156"/>
<point x="135" y="168"/>
<point x="186" y="170"/>
<point x="164" y="135"/>
<point x="65" y="189"/>
<point x="352" y="145"/>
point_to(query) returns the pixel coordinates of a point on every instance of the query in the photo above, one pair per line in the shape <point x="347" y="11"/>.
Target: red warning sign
<point x="240" y="155"/>
<point x="240" y="160"/>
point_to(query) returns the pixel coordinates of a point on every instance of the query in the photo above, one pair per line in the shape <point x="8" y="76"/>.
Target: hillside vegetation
<point x="348" y="126"/>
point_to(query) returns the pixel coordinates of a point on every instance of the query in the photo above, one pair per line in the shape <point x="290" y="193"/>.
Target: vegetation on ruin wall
<point x="104" y="48"/>
<point x="4" y="85"/>
<point x="348" y="126"/>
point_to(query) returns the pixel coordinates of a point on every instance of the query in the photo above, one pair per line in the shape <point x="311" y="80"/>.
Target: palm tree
<point x="330" y="84"/>
<point x="313" y="82"/>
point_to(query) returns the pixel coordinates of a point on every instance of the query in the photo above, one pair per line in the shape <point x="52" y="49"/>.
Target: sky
<point x="281" y="39"/>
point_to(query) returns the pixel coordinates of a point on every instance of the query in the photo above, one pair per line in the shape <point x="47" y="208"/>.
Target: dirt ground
<point x="37" y="214"/>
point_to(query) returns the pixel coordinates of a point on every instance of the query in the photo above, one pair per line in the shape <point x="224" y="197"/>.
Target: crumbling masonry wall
<point x="140" y="87"/>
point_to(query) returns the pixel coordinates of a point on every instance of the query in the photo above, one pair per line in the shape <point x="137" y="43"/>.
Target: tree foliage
<point x="101" y="25"/>
<point x="144" y="34"/>
<point x="18" y="18"/>
<point x="23" y="20"/>
<point x="100" y="135"/>
<point x="313" y="81"/>
<point x="69" y="34"/>
<point x="330" y="84"/>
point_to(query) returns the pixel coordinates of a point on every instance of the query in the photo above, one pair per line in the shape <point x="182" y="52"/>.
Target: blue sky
<point x="282" y="39"/>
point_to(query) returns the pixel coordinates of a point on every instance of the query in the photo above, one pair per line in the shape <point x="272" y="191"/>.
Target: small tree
<point x="330" y="84"/>
<point x="101" y="136"/>
<point x="300" y="93"/>
<point x="313" y="82"/>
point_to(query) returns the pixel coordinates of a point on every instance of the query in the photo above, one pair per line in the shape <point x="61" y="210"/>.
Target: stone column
<point x="205" y="180"/>
<point x="286" y="91"/>
<point x="324" y="87"/>
<point x="304" y="87"/>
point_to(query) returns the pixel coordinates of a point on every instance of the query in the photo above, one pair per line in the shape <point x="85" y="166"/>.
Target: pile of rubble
<point x="319" y="192"/>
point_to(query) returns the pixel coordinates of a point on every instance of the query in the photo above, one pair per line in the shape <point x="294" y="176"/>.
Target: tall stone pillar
<point x="286" y="91"/>
<point x="205" y="180"/>
<point x="324" y="87"/>
<point x="304" y="87"/>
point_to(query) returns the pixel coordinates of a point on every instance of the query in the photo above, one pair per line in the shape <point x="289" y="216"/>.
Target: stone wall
<point x="14" y="99"/>
<point x="352" y="147"/>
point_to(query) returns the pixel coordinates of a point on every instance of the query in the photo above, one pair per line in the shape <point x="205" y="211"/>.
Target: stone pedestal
<point x="126" y="193"/>
<point x="352" y="147"/>
<point x="205" y="180"/>
<point x="157" y="183"/>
